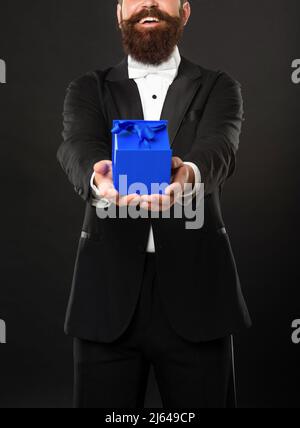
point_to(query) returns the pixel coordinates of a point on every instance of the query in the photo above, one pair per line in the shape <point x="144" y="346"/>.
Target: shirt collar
<point x="139" y="69"/>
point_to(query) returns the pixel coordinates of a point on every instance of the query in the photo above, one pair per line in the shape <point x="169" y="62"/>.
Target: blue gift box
<point x="141" y="156"/>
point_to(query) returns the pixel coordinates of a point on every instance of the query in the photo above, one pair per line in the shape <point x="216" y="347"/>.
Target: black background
<point x="46" y="44"/>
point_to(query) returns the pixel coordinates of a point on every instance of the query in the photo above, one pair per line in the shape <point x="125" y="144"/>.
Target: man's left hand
<point x="181" y="175"/>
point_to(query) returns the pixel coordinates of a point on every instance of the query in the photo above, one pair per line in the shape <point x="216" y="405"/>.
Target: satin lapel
<point x="124" y="93"/>
<point x="127" y="102"/>
<point x="179" y="97"/>
<point x="126" y="98"/>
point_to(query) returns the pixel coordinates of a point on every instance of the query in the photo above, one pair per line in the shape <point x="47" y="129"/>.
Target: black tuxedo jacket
<point x="199" y="282"/>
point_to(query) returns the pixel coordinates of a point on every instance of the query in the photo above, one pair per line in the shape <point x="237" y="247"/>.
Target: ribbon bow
<point x="145" y="133"/>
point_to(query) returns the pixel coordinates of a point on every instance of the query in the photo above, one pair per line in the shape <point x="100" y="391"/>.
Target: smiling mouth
<point x="149" y="22"/>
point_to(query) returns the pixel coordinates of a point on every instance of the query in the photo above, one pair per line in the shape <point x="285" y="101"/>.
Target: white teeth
<point x="149" y="19"/>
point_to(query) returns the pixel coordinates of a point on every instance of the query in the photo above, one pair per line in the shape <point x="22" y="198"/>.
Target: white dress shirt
<point x="153" y="83"/>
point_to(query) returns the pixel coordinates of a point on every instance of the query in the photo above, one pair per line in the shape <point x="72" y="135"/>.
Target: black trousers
<point x="189" y="375"/>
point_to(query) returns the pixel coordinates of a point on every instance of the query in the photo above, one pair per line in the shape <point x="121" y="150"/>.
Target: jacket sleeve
<point x="85" y="134"/>
<point x="217" y="141"/>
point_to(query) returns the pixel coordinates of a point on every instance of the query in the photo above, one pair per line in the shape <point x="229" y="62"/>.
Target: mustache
<point x="150" y="13"/>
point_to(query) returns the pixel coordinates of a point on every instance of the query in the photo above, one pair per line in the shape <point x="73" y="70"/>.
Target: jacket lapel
<point x="126" y="99"/>
<point x="180" y="96"/>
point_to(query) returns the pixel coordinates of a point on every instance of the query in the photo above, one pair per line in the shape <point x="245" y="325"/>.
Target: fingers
<point x="109" y="192"/>
<point x="156" y="202"/>
<point x="129" y="200"/>
<point x="180" y="179"/>
<point x="148" y="202"/>
<point x="175" y="189"/>
<point x="103" y="176"/>
<point x="103" y="167"/>
<point x="176" y="162"/>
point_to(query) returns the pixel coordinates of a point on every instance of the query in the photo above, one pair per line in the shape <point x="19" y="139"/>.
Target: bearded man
<point x="148" y="290"/>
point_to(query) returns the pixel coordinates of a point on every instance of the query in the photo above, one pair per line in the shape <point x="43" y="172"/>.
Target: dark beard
<point x="152" y="45"/>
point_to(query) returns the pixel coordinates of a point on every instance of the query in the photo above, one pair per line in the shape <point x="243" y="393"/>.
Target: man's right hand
<point x="104" y="182"/>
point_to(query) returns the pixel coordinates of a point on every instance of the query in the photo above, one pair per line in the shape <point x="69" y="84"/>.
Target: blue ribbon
<point x="145" y="133"/>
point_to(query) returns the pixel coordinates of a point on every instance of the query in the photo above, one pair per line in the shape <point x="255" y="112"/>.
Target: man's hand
<point x="181" y="175"/>
<point x="104" y="182"/>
